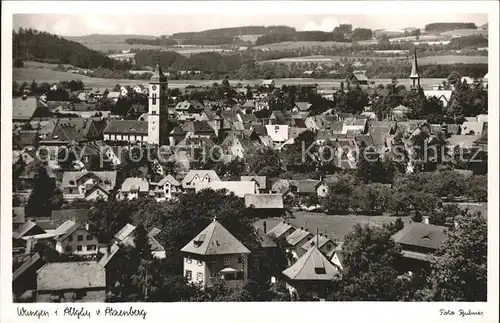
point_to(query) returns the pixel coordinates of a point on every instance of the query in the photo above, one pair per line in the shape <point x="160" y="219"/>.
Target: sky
<point x="167" y="24"/>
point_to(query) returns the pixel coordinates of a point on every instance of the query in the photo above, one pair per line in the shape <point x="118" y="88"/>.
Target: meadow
<point x="450" y="59"/>
<point x="50" y="76"/>
<point x="465" y="32"/>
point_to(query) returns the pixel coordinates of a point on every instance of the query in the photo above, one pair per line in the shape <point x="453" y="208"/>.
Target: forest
<point x="31" y="44"/>
<point x="447" y="26"/>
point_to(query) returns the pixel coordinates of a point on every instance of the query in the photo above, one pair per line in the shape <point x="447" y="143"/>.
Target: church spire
<point x="414" y="75"/>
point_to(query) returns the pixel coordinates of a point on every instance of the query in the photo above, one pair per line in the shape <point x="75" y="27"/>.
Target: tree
<point x="339" y="198"/>
<point x="370" y="167"/>
<point x="40" y="201"/>
<point x="264" y="162"/>
<point x="453" y="77"/>
<point x="370" y="256"/>
<point x="459" y="273"/>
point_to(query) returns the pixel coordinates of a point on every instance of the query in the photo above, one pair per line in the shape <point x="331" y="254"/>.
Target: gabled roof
<point x="197" y="127"/>
<point x="261" y="130"/>
<point x="71" y="275"/>
<point x="169" y="179"/>
<point x="70" y="179"/>
<point x="297" y="236"/>
<point x="421" y="235"/>
<point x="280" y="229"/>
<point x="106" y="258"/>
<point x="189" y="104"/>
<point x="312" y="266"/>
<point x="215" y="240"/>
<point x="248" y="104"/>
<point x="201" y="174"/>
<point x="24" y="229"/>
<point x="32" y="260"/>
<point x="124" y="232"/>
<point x="264" y="201"/>
<point x="303" y="106"/>
<point x="69" y="230"/>
<point x="74" y="129"/>
<point x="305" y="185"/>
<point x="24" y="108"/>
<point x="126" y="127"/>
<point x="314" y="242"/>
<point x="265" y="240"/>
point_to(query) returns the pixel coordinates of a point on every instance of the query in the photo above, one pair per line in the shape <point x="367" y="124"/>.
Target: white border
<point x="245" y="312"/>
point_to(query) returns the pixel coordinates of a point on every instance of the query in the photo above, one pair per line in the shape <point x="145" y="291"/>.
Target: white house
<point x="134" y="188"/>
<point x="278" y="133"/>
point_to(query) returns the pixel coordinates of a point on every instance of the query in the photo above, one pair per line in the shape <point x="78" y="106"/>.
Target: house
<point x="29" y="228"/>
<point x="134" y="188"/>
<point x="260" y="182"/>
<point x="265" y="205"/>
<point x="296" y="240"/>
<point x="68" y="130"/>
<point x="193" y="177"/>
<point x="81" y="281"/>
<point x="189" y="107"/>
<point x="76" y="239"/>
<point x="360" y="126"/>
<point x="467" y="80"/>
<point x="268" y="83"/>
<point x="96" y="94"/>
<point x="357" y="79"/>
<point x="214" y="255"/>
<point x="310" y="273"/>
<point x="166" y="189"/>
<point x="115" y="95"/>
<point x="418" y="242"/>
<point x="88" y="185"/>
<point x="400" y="112"/>
<point x="198" y="129"/>
<point x="238" y="188"/>
<point x="25" y="109"/>
<point x="236" y="146"/>
<point x="24" y="277"/>
<point x="442" y="95"/>
<point x="281" y="231"/>
<point x="278" y="133"/>
<point x="126" y="130"/>
<point x="126" y="236"/>
<point x="323" y="243"/>
<point x="301" y="107"/>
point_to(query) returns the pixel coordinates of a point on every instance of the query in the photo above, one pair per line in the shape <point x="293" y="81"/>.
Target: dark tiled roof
<point x="133" y="127"/>
<point x="77" y="215"/>
<point x="215" y="240"/>
<point x="421" y="235"/>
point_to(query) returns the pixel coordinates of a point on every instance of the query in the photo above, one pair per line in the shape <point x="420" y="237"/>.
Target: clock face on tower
<point x="154" y="87"/>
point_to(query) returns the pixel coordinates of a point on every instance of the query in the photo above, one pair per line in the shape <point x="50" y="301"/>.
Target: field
<point x="320" y="59"/>
<point x="431" y="60"/>
<point x="298" y="44"/>
<point x="250" y="38"/>
<point x="41" y="65"/>
<point x="46" y="75"/>
<point x="465" y="32"/>
<point x="336" y="226"/>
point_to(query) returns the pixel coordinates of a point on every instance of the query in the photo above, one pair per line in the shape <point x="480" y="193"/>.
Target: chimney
<point x="265" y="227"/>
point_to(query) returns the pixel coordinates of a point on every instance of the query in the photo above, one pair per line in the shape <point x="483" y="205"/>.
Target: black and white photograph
<point x="238" y="156"/>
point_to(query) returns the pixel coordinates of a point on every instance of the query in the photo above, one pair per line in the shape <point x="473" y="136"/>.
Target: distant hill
<point x="234" y="31"/>
<point x="447" y="26"/>
<point x="104" y="38"/>
<point x="30" y="44"/>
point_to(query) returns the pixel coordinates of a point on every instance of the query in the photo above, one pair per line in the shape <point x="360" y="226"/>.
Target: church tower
<point x="414" y="76"/>
<point x="158" y="105"/>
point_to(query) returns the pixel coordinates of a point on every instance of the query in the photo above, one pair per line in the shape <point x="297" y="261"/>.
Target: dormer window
<point x="320" y="270"/>
<point x="199" y="241"/>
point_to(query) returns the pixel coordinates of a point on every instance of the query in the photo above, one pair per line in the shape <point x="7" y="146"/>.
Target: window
<point x="68" y="249"/>
<point x="200" y="263"/>
<point x="189" y="260"/>
<point x="89" y="237"/>
<point x="199" y="277"/>
<point x="70" y="238"/>
<point x="79" y="248"/>
<point x="189" y="274"/>
<point x="240" y="259"/>
<point x="226" y="260"/>
<point x="91" y="247"/>
<point x="154" y="98"/>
